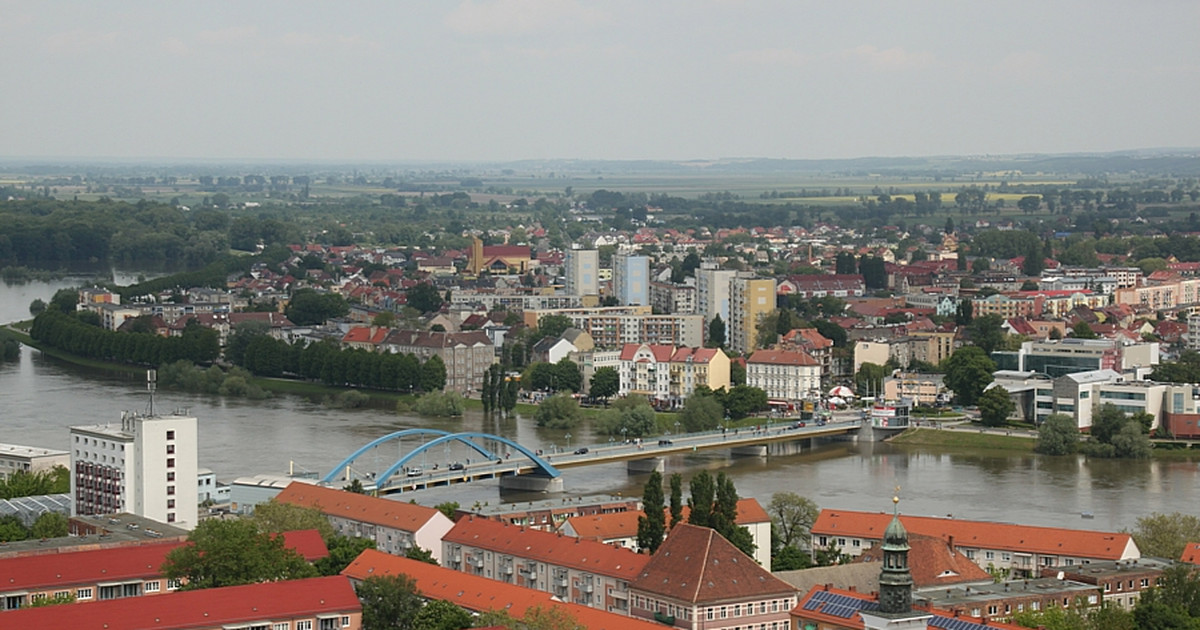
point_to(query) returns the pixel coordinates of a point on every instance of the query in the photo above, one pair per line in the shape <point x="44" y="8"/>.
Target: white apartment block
<point x="16" y="458"/>
<point x="147" y="466"/>
<point x="784" y="375"/>
<point x="712" y="292"/>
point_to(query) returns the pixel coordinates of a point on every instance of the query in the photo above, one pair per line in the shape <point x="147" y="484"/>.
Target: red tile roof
<point x="366" y="334"/>
<point x="698" y="355"/>
<point x="697" y="565"/>
<point x="662" y="354"/>
<point x="816" y="612"/>
<point x="782" y="357"/>
<point x="1191" y="553"/>
<point x="1026" y="538"/>
<point x="207" y="608"/>
<point x="68" y="568"/>
<point x="481" y="594"/>
<point x="934" y="563"/>
<point x="566" y="551"/>
<point x="406" y="517"/>
<point x="612" y="525"/>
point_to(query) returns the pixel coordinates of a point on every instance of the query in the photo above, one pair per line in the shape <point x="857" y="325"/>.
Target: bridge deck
<point x="611" y="453"/>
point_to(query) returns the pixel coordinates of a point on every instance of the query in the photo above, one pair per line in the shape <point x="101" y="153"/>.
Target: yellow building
<point x="693" y="367"/>
<point x="750" y="299"/>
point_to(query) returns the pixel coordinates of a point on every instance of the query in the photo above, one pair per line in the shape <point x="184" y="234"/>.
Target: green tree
<point x="49" y="525"/>
<point x="539" y="376"/>
<point x="433" y="374"/>
<point x="342" y="551"/>
<point x="676" y="499"/>
<point x="1083" y="330"/>
<point x="1166" y="535"/>
<point x="1029" y="204"/>
<point x="440" y="405"/>
<point x="845" y="264"/>
<point x="12" y="529"/>
<point x="420" y="554"/>
<point x="790" y="558"/>
<point x="1035" y="261"/>
<point x="560" y="411"/>
<point x="995" y="406"/>
<point x="701" y="413"/>
<point x="737" y="373"/>
<point x="233" y="552"/>
<point x="987" y="332"/>
<point x="1131" y="442"/>
<point x="64" y="300"/>
<point x="605" y="383"/>
<point x="700" y="505"/>
<point x="552" y="326"/>
<point x="438" y="614"/>
<point x="1176" y="597"/>
<point x="743" y="400"/>
<point x="276" y="517"/>
<point x="535" y="618"/>
<point x="307" y="307"/>
<point x="652" y="525"/>
<point x="968" y="371"/>
<point x="567" y="375"/>
<point x="869" y="379"/>
<point x="716" y="333"/>
<point x="389" y="602"/>
<point x="630" y="417"/>
<point x="792" y="518"/>
<point x="724" y="516"/>
<point x="424" y="297"/>
<point x="1058" y="435"/>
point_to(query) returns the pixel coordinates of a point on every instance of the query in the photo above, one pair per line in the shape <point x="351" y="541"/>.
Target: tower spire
<point x="895" y="579"/>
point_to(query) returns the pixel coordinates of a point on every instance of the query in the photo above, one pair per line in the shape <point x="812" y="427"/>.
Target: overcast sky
<point x="515" y="79"/>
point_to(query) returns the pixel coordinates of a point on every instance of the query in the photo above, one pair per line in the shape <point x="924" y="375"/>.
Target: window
<point x="62" y="594"/>
<point x="170" y="490"/>
<point x="170" y="504"/>
<point x="282" y="625"/>
<point x="170" y="517"/>
<point x="170" y="462"/>
<point x="170" y="449"/>
<point x="153" y="587"/>
<point x="989" y="555"/>
<point x="346" y="621"/>
<point x="305" y="624"/>
<point x="83" y="593"/>
<point x="170" y="435"/>
<point x="171" y="476"/>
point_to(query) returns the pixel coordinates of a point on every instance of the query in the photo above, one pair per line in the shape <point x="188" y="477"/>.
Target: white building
<point x="712" y="292"/>
<point x="147" y="466"/>
<point x="784" y="375"/>
<point x="16" y="458"/>
<point x="583" y="272"/>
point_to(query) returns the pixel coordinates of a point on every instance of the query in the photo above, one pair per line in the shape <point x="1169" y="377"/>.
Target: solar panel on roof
<point x="812" y="604"/>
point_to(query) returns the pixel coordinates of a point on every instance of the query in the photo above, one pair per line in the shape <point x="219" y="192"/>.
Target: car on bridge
<point x="414" y="471"/>
<point x="665" y="442"/>
<point x="583" y="450"/>
<point x="457" y="466"/>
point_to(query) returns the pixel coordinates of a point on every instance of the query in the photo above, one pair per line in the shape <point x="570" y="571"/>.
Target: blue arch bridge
<point x="520" y="468"/>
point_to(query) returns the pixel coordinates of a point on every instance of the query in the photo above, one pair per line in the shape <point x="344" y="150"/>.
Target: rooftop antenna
<point x="151" y="384"/>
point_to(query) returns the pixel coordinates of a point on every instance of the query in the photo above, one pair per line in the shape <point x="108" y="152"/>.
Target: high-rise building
<point x="712" y="292"/>
<point x="631" y="279"/>
<point x="750" y="298"/>
<point x="583" y="272"/>
<point x="147" y="466"/>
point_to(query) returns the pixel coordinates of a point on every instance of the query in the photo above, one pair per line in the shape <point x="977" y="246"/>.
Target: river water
<point x="40" y="397"/>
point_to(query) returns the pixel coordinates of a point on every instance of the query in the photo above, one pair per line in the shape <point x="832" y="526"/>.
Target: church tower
<point x="895" y="583"/>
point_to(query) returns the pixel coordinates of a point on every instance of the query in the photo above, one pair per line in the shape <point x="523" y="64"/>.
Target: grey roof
<point x="859" y="576"/>
<point x="29" y="508"/>
<point x="1094" y="376"/>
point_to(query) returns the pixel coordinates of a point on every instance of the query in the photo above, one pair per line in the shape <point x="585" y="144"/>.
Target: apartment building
<point x="612" y="327"/>
<point x="750" y="299"/>
<point x="1022" y="549"/>
<point x="582" y="271"/>
<point x="395" y="526"/>
<point x="467" y="355"/>
<point x="784" y="375"/>
<point x="573" y="570"/>
<point x="631" y="279"/>
<point x="712" y="292"/>
<point x="324" y="603"/>
<point x="30" y="459"/>
<point x="668" y="297"/>
<point x="147" y="465"/>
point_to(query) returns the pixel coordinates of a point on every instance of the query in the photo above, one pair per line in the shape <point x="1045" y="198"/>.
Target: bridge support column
<point x="648" y="465"/>
<point x="750" y="450"/>
<point x="531" y="483"/>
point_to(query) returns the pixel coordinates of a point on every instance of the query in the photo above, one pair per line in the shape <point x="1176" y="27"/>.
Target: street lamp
<point x="623" y="440"/>
<point x="568" y="436"/>
<point x="676" y="427"/>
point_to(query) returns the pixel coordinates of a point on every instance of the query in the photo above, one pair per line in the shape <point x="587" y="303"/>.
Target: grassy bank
<point x="963" y="439"/>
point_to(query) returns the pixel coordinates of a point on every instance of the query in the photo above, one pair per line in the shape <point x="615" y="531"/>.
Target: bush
<point x="560" y="411"/>
<point x="440" y="405"/>
<point x="351" y="399"/>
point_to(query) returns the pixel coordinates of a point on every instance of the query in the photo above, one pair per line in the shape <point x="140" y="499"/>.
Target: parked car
<point x="583" y="450"/>
<point x="665" y="442"/>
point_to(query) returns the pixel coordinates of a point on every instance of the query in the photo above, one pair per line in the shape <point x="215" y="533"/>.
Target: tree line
<point x="69" y="333"/>
<point x="328" y="362"/>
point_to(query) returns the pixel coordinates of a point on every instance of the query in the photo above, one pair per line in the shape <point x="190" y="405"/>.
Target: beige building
<point x="750" y="299"/>
<point x="876" y="351"/>
<point x="15" y="458"/>
<point x="467" y="355"/>
<point x="612" y="327"/>
<point x="692" y="367"/>
<point x="573" y="570"/>
<point x="922" y="388"/>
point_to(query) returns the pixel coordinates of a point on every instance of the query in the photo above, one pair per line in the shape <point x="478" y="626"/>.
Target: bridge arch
<point x="338" y="470"/>
<point x="544" y="467"/>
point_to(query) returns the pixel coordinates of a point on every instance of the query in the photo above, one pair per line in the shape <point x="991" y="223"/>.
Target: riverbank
<point x="963" y="439"/>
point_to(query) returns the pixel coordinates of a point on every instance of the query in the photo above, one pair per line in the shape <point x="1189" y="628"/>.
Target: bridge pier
<point x="648" y="465"/>
<point x="750" y="450"/>
<point x="531" y="483"/>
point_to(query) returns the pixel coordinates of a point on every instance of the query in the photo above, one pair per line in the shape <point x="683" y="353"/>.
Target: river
<point x="40" y="397"/>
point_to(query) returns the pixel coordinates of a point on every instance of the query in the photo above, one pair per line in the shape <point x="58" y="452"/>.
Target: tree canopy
<point x="968" y="371"/>
<point x="232" y="552"/>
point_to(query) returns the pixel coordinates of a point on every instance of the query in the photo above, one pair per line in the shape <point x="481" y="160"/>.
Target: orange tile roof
<point x="934" y="563"/>
<point x="816" y="612"/>
<point x="662" y="354"/>
<point x="782" y="357"/>
<point x="406" y="517"/>
<point x="520" y="542"/>
<point x="481" y="594"/>
<point x="205" y="608"/>
<point x="1024" y="538"/>
<point x="1191" y="553"/>
<point x="624" y="524"/>
<point x="697" y="565"/>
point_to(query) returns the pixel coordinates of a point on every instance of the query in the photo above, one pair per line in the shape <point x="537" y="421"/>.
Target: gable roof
<point x="1026" y="538"/>
<point x="782" y="357"/>
<point x="481" y="594"/>
<point x="205" y="608"/>
<point x="613" y="525"/>
<point x="840" y="609"/>
<point x="407" y="517"/>
<point x="521" y="542"/>
<point x="697" y="565"/>
<point x="933" y="562"/>
<point x="1191" y="553"/>
<point x="662" y="354"/>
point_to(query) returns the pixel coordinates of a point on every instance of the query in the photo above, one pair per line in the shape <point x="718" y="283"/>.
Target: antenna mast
<point x="151" y="383"/>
